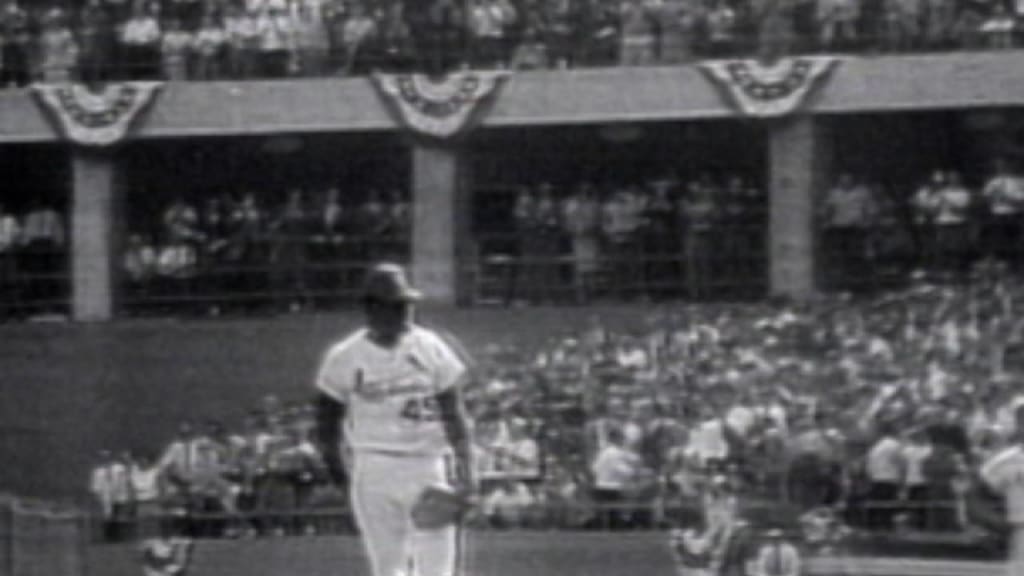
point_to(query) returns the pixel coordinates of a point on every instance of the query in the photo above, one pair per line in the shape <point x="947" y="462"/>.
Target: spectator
<point x="374" y="224"/>
<point x="119" y="10"/>
<point x="242" y="39"/>
<point x="175" y="49"/>
<point x="721" y="24"/>
<point x="970" y="17"/>
<point x="208" y="487"/>
<point x="397" y="46"/>
<point x="1004" y="196"/>
<point x="43" y="240"/>
<point x="953" y="236"/>
<point x="614" y="470"/>
<point x="178" y="254"/>
<point x="621" y="224"/>
<point x="10" y="235"/>
<point x="999" y="28"/>
<point x="902" y="22"/>
<point x="108" y="485"/>
<point x="848" y="214"/>
<point x="247" y="254"/>
<point x="140" y="42"/>
<point x="582" y="218"/>
<point x="942" y="469"/>
<point x="507" y="505"/>
<point x="139" y="265"/>
<point x="637" y="34"/>
<point x="276" y="42"/>
<point x="925" y="208"/>
<point x="332" y="245"/>
<point x="312" y="42"/>
<point x="699" y="218"/>
<point x="659" y="240"/>
<point x="16" y="44"/>
<point x="776" y="36"/>
<point x="916" y="450"/>
<point x="288" y="253"/>
<point x="885" y="473"/>
<point x="209" y="43"/>
<point x="359" y="35"/>
<point x="837" y="21"/>
<point x="527" y="239"/>
<point x="148" y="493"/>
<point x="488" y="20"/>
<point x="531" y="53"/>
<point x="939" y="18"/>
<point x="96" y="38"/>
<point x="188" y="12"/>
<point x="214" y="232"/>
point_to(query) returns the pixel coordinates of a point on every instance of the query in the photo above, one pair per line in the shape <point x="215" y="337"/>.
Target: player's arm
<point x="330" y="435"/>
<point x="458" y="430"/>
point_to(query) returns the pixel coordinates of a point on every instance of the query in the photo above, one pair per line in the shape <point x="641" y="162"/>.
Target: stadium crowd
<point x="33" y="252"/>
<point x="251" y="253"/>
<point x="879" y="409"/>
<point x="97" y="40"/>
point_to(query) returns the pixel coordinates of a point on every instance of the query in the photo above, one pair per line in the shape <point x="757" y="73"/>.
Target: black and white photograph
<point x="512" y="287"/>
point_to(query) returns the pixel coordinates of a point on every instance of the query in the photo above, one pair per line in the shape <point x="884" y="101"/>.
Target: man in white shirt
<point x="614" y="470"/>
<point x="951" y="221"/>
<point x="106" y="485"/>
<point x="1004" y="197"/>
<point x="10" y="231"/>
<point x="1004" y="474"/>
<point x="43" y="243"/>
<point x="885" y="470"/>
<point x="847" y="215"/>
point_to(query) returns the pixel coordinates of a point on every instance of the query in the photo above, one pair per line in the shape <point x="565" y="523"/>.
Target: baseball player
<point x="1004" y="474"/>
<point x="391" y="422"/>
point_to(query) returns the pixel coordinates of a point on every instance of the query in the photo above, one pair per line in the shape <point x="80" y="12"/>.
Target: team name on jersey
<point x="415" y="381"/>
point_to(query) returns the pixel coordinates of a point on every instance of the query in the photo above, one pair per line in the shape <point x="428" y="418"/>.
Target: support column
<point x="439" y="223"/>
<point x="94" y="233"/>
<point x="801" y="153"/>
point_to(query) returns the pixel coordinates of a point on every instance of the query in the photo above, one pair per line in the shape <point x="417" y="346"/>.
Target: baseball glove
<point x="440" y="506"/>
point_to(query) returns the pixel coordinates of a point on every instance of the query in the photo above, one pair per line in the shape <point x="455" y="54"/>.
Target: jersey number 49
<point x="422" y="409"/>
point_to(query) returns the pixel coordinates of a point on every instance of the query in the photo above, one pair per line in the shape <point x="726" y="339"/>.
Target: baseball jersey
<point x="1004" y="473"/>
<point x="390" y="392"/>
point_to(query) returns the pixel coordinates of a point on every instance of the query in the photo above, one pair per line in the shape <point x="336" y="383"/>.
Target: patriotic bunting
<point x="442" y="107"/>
<point x="170" y="557"/>
<point x="95" y="118"/>
<point x="768" y="90"/>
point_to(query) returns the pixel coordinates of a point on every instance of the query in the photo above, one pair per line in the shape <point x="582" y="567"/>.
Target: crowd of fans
<point x="660" y="239"/>
<point x="33" y="251"/>
<point x="942" y="224"/>
<point x="97" y="40"/>
<point x="246" y="253"/>
<point x="877" y="409"/>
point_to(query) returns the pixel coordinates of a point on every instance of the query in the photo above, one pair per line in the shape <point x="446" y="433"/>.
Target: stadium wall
<point x="889" y="84"/>
<point x="70" y="389"/>
<point x="504" y="554"/>
<point x="494" y="554"/>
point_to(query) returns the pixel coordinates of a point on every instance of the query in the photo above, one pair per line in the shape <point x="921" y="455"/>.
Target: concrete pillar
<point x="440" y="217"/>
<point x="800" y="152"/>
<point x="94" y="234"/>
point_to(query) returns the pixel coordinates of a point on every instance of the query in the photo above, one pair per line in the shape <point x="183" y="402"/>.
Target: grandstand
<point x="191" y="229"/>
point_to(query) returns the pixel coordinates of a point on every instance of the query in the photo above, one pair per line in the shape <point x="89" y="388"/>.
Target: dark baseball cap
<point x="388" y="282"/>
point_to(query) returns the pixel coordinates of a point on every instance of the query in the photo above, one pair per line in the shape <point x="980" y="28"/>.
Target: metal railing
<point x="907" y="519"/>
<point x="718" y="263"/>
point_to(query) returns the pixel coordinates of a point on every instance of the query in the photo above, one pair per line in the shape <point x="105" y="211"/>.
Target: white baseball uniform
<point x="1004" y="473"/>
<point x="398" y="442"/>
